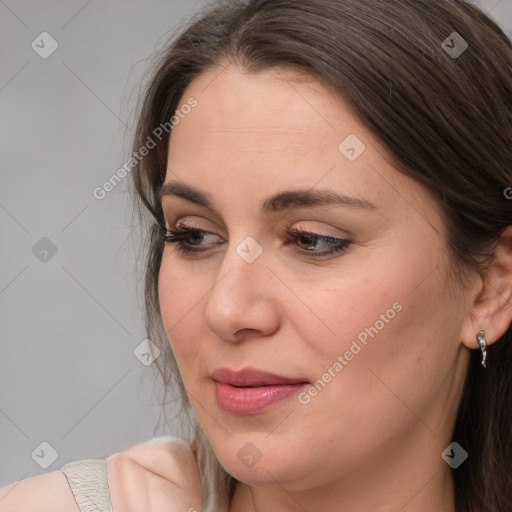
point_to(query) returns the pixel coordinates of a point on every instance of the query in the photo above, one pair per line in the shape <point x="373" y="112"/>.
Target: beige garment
<point x="89" y="484"/>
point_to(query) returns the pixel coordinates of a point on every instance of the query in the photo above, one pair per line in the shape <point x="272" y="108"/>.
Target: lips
<point x="249" y="377"/>
<point x="252" y="391"/>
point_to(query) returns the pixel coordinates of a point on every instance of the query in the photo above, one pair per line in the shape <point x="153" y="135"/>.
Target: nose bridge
<point x="240" y="299"/>
<point x="242" y="268"/>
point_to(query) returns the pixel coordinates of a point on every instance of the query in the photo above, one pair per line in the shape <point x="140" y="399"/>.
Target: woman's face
<point x="371" y="328"/>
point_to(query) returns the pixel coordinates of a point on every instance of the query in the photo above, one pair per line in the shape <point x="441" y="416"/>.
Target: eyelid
<point x="326" y="226"/>
<point x="191" y="224"/>
<point x="322" y="231"/>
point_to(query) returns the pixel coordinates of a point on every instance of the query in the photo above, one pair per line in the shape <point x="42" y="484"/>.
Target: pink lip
<point x="251" y="391"/>
<point x="248" y="377"/>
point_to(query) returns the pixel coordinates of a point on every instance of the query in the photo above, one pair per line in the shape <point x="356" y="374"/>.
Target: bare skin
<point x="154" y="477"/>
<point x="372" y="438"/>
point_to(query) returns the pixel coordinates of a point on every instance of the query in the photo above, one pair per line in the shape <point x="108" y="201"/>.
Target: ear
<point x="491" y="310"/>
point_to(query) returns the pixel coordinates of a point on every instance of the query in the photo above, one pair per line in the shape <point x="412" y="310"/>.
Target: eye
<point x="189" y="240"/>
<point x="307" y="238"/>
<point x="184" y="233"/>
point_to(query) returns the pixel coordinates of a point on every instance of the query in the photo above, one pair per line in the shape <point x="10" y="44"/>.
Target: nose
<point x="244" y="299"/>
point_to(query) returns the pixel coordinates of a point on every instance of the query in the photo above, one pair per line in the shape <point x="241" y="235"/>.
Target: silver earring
<point x="480" y="337"/>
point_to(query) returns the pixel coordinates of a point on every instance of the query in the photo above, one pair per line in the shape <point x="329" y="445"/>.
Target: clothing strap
<point x="88" y="481"/>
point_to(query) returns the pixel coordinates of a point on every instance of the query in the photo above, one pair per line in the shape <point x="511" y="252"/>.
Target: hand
<point x="159" y="475"/>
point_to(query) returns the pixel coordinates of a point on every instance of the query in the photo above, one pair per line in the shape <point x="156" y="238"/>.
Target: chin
<point x="266" y="468"/>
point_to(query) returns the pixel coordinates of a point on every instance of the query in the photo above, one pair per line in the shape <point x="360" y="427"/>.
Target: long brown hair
<point x="447" y="121"/>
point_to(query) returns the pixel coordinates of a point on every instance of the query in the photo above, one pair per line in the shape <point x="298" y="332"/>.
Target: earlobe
<point x="492" y="306"/>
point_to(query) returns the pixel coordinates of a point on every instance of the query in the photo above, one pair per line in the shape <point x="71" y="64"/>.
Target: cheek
<point x="385" y="340"/>
<point x="384" y="319"/>
<point x="348" y="305"/>
<point x="398" y="293"/>
<point x="180" y="304"/>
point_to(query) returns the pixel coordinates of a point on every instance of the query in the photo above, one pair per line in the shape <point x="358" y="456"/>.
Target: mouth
<point x="252" y="391"/>
<point x="251" y="377"/>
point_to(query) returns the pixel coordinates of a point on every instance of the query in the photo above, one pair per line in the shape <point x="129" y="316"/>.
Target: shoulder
<point x="163" y="466"/>
<point x="165" y="455"/>
<point x="48" y="492"/>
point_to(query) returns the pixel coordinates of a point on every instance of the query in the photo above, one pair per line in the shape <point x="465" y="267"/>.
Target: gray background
<point x="70" y="323"/>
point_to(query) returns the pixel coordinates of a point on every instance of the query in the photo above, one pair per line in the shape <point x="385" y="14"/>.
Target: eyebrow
<point x="281" y="201"/>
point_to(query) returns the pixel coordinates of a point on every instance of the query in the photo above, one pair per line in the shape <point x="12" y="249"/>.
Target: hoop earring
<point x="480" y="337"/>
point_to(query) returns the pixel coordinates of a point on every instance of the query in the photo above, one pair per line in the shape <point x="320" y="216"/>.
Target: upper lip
<point x="252" y="377"/>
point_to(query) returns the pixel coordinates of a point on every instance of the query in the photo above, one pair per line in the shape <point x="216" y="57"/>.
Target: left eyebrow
<point x="290" y="199"/>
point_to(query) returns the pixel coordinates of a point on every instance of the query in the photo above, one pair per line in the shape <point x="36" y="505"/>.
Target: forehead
<point x="253" y="135"/>
<point x="264" y="119"/>
<point x="237" y="105"/>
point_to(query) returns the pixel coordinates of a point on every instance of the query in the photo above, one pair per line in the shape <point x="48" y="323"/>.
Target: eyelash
<point x="182" y="233"/>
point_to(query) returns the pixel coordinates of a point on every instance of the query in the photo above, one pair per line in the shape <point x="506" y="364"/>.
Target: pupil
<point x="196" y="235"/>
<point x="309" y="239"/>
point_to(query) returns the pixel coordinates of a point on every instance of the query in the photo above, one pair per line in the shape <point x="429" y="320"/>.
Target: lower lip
<point x="243" y="401"/>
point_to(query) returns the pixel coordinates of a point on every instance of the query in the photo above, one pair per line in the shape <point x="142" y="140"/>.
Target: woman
<point x="329" y="272"/>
